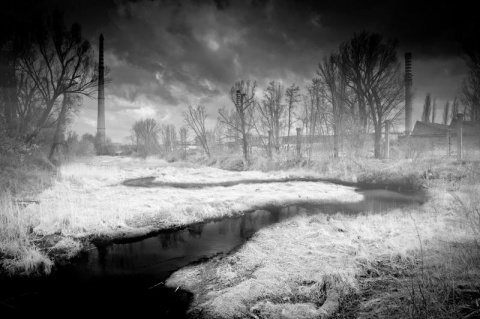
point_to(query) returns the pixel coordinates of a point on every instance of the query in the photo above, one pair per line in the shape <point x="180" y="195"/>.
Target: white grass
<point x="23" y="256"/>
<point x="81" y="172"/>
<point x="86" y="209"/>
<point x="28" y="262"/>
<point x="88" y="199"/>
<point x="282" y="270"/>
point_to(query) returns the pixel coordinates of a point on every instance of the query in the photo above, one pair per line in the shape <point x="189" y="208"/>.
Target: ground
<point x="416" y="262"/>
<point x="88" y="201"/>
<point x="381" y="262"/>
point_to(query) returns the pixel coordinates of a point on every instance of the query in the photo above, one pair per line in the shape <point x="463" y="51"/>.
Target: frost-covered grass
<point x="88" y="200"/>
<point x="18" y="254"/>
<point x="304" y="267"/>
<point x="381" y="264"/>
<point x="81" y="208"/>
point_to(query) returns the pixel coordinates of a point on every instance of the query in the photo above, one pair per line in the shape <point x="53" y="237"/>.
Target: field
<point x="88" y="201"/>
<point x="416" y="262"/>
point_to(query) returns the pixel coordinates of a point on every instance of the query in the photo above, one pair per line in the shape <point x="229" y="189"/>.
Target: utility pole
<point x="299" y="142"/>
<point x="387" y="139"/>
<point x="459" y="137"/>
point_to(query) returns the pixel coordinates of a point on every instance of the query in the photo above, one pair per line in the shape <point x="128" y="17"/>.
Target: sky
<point x="166" y="55"/>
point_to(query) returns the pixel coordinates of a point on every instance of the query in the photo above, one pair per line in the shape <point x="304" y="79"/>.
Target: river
<point x="117" y="279"/>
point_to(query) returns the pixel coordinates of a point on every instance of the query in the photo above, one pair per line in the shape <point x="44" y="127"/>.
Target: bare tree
<point x="372" y="66"/>
<point x="195" y="117"/>
<point x="15" y="31"/>
<point x="60" y="62"/>
<point x="30" y="104"/>
<point x="446" y="113"/>
<point x="242" y="95"/>
<point x="351" y="61"/>
<point x="146" y="136"/>
<point x="331" y="75"/>
<point x="183" y="140"/>
<point x="271" y="112"/>
<point x="470" y="90"/>
<point x="470" y="95"/>
<point x="434" y="109"/>
<point x="313" y="112"/>
<point x="427" y="108"/>
<point x="292" y="97"/>
<point x="455" y="108"/>
<point x="68" y="105"/>
<point x="169" y="138"/>
<point x="228" y="126"/>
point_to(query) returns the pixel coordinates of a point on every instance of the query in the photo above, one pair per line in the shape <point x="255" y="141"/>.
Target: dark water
<point x="121" y="279"/>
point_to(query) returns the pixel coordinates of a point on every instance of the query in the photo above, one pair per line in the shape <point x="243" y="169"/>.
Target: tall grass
<point x="290" y="270"/>
<point x="18" y="252"/>
<point x="83" y="171"/>
<point x="446" y="285"/>
<point x="421" y="263"/>
<point x="469" y="202"/>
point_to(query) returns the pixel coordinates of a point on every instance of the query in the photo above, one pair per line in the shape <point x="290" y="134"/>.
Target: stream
<point x="127" y="278"/>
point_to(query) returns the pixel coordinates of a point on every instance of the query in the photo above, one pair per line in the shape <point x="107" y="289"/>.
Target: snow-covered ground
<point x="89" y="199"/>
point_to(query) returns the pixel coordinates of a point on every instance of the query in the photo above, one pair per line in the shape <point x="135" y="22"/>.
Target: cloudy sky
<point x="166" y="55"/>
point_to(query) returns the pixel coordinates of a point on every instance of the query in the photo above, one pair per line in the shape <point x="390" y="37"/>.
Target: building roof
<point x="426" y="128"/>
<point x="422" y="128"/>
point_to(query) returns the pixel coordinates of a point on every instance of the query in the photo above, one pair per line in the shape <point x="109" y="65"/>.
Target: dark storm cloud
<point x="175" y="53"/>
<point x="191" y="42"/>
<point x="426" y="28"/>
<point x="172" y="43"/>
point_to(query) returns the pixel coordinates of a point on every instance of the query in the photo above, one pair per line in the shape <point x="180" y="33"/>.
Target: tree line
<point x="357" y="89"/>
<point x="46" y="68"/>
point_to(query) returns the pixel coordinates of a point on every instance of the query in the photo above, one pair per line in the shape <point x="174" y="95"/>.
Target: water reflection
<point x="122" y="273"/>
<point x="170" y="250"/>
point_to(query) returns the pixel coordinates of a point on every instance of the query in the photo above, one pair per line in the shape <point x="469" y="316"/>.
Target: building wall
<point x="436" y="146"/>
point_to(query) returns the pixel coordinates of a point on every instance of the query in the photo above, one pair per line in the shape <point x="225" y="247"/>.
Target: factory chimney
<point x="101" y="100"/>
<point x="408" y="93"/>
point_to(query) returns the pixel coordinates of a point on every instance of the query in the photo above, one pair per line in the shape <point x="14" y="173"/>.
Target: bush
<point x="232" y="164"/>
<point x="173" y="156"/>
<point x="82" y="148"/>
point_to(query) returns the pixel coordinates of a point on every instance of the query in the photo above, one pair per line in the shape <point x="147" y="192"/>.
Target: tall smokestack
<point x="101" y="99"/>
<point x="408" y="93"/>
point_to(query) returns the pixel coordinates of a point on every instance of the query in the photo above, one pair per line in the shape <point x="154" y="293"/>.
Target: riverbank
<point x="22" y="180"/>
<point x="415" y="263"/>
<point x="381" y="264"/>
<point x="88" y="202"/>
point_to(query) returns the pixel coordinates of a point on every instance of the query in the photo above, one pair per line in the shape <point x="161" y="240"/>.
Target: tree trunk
<point x="378" y="140"/>
<point x="245" y="146"/>
<point x="205" y="145"/>
<point x="335" y="141"/>
<point x="244" y="137"/>
<point x="288" y="129"/>
<point x="8" y="86"/>
<point x="277" y="138"/>
<point x="41" y="122"/>
<point x="57" y="137"/>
